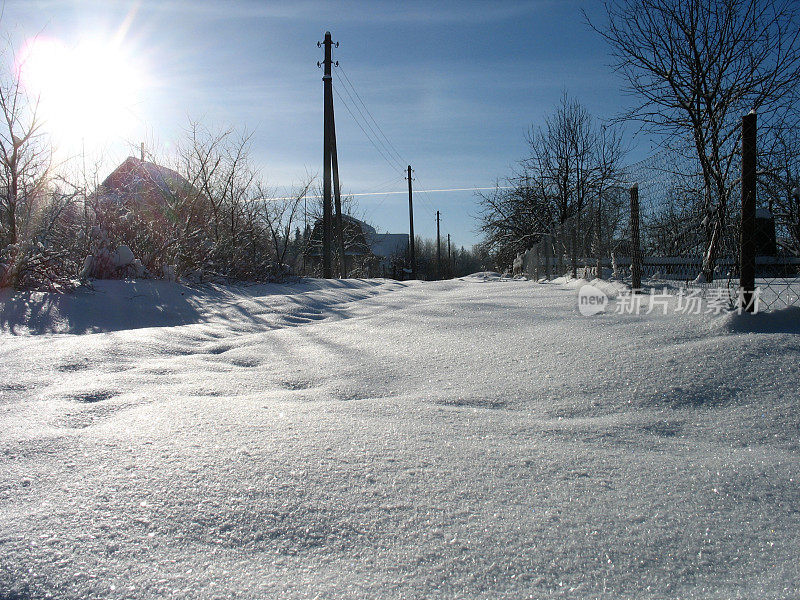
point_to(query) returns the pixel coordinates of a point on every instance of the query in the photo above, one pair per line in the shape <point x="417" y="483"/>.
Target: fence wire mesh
<point x="689" y="237"/>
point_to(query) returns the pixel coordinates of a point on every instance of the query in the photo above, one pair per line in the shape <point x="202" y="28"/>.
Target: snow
<point x="123" y="256"/>
<point x="485" y="276"/>
<point x="474" y="438"/>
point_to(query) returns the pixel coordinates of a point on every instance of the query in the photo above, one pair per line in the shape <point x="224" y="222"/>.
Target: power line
<point x="388" y="183"/>
<point x="427" y="205"/>
<point x="426" y="199"/>
<point x="383" y="145"/>
<point x="377" y="140"/>
<point x="396" y="153"/>
<point x="389" y="162"/>
<point x="388" y="147"/>
<point x="382" y="191"/>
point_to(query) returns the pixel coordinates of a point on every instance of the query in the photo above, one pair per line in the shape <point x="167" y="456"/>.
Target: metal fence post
<point x="636" y="250"/>
<point x="747" y="246"/>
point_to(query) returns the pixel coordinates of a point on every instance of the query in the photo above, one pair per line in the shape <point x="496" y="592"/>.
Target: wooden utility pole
<point x="327" y="220"/>
<point x="747" y="242"/>
<point x="449" y="256"/>
<point x="438" y="249"/>
<point x="411" y="227"/>
<point x="337" y="198"/>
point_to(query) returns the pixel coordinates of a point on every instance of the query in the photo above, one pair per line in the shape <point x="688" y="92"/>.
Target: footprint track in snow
<point x="92" y="396"/>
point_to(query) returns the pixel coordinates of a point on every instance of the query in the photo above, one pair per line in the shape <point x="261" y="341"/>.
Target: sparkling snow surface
<point x="372" y="439"/>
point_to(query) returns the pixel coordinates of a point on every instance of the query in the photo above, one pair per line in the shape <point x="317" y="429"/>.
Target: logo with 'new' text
<point x="591" y="300"/>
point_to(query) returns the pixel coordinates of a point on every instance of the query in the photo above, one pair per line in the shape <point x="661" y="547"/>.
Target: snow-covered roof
<point x="365" y="227"/>
<point x="142" y="181"/>
<point x="387" y="244"/>
<point x="382" y="245"/>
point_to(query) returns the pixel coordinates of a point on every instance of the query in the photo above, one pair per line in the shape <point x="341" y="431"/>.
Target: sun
<point x="88" y="94"/>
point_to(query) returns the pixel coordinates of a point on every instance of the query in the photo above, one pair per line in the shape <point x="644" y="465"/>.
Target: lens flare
<point x="87" y="94"/>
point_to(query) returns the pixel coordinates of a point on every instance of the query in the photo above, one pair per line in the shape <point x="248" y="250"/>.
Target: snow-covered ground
<point x="371" y="439"/>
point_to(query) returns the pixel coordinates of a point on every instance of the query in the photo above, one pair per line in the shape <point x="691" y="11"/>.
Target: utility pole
<point x="327" y="220"/>
<point x="337" y="197"/>
<point x="438" y="249"/>
<point x="449" y="256"/>
<point x="411" y="227"/>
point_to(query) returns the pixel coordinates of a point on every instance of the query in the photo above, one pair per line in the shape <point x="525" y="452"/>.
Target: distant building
<point x="138" y="182"/>
<point x="367" y="252"/>
<point x="143" y="206"/>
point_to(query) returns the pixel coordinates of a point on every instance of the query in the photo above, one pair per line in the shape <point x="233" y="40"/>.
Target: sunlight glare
<point x="88" y="94"/>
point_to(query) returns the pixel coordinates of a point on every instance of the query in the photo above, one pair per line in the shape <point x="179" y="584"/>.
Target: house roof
<point x="361" y="239"/>
<point x="141" y="181"/>
<point x="387" y="244"/>
<point x="365" y="227"/>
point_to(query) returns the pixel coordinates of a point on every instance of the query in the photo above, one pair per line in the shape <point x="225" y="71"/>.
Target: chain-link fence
<point x="669" y="225"/>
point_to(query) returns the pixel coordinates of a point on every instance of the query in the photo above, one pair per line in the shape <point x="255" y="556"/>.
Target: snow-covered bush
<point x="46" y="253"/>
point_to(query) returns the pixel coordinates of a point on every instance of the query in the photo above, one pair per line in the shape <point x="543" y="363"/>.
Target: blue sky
<point x="453" y="85"/>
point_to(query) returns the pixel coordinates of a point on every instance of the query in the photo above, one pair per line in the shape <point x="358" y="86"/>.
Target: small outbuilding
<point x="367" y="252"/>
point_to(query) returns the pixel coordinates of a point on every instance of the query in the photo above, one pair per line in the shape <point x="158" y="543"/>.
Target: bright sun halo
<point x="88" y="94"/>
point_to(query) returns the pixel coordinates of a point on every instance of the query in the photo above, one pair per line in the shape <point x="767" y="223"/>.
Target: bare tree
<point x="206" y="216"/>
<point x="25" y="160"/>
<point x="560" y="192"/>
<point x="34" y="214"/>
<point x="217" y="166"/>
<point x="696" y="67"/>
<point x="512" y="220"/>
<point x="280" y="214"/>
<point x="779" y="182"/>
<point x="607" y="174"/>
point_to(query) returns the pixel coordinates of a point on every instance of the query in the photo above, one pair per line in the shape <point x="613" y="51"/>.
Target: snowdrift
<point x="461" y="439"/>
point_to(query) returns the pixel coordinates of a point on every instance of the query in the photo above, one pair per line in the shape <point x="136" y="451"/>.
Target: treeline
<point x="457" y="263"/>
<point x="460" y="261"/>
<point x="208" y="216"/>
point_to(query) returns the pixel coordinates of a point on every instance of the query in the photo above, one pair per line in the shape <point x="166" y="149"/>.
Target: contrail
<point x="472" y="189"/>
